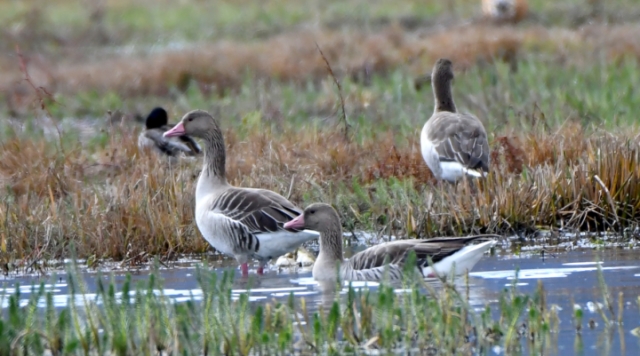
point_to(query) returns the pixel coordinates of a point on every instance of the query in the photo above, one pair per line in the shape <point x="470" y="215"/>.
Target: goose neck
<point x="214" y="157"/>
<point x="331" y="242"/>
<point x="442" y="93"/>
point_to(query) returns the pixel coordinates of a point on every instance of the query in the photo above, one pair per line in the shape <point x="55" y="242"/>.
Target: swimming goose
<point x="241" y="222"/>
<point x="453" y="144"/>
<point x="152" y="138"/>
<point x="369" y="265"/>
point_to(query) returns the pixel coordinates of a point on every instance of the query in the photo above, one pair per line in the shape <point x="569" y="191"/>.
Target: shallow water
<point x="570" y="280"/>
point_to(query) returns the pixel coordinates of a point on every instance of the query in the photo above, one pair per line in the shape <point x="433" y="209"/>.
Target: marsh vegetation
<point x="556" y="94"/>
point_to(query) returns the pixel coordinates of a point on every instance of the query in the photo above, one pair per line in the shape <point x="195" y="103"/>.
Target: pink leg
<point x="244" y="268"/>
<point x="260" y="270"/>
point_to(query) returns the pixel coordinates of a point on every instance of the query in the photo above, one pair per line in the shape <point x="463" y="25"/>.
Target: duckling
<point x="152" y="138"/>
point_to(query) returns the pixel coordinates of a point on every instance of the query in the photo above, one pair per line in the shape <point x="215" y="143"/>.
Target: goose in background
<point x="370" y="264"/>
<point x="453" y="144"/>
<point x="152" y="137"/>
<point x="244" y="223"/>
<point x="505" y="11"/>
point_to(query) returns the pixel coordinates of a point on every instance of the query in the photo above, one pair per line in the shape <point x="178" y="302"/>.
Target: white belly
<point x="430" y="155"/>
<point x="207" y="222"/>
<point x="215" y="229"/>
<point x="452" y="171"/>
<point x="275" y="244"/>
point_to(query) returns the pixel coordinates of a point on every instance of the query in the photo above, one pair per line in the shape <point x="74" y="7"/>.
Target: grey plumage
<point x="370" y="264"/>
<point x="388" y="258"/>
<point x="459" y="138"/>
<point x="259" y="209"/>
<point x="452" y="144"/>
<point x="242" y="222"/>
<point x="156" y="124"/>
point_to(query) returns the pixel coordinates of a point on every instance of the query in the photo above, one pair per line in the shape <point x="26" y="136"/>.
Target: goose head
<point x="318" y="217"/>
<point x="442" y="71"/>
<point x="196" y="123"/>
<point x="501" y="9"/>
<point x="157" y="118"/>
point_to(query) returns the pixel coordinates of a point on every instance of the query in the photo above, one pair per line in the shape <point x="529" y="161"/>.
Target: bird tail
<point x="475" y="173"/>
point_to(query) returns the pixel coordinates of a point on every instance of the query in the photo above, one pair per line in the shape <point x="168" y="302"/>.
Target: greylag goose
<point x="241" y="222"/>
<point x="453" y="144"/>
<point x="152" y="138"/>
<point x="369" y="265"/>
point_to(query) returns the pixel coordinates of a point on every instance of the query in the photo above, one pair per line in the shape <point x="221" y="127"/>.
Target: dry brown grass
<point x="128" y="205"/>
<point x="293" y="57"/>
<point x="125" y="204"/>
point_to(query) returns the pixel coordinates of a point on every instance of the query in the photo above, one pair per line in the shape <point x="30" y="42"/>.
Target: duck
<point x="156" y="124"/>
<point x="454" y="145"/>
<point x="370" y="264"/>
<point x="245" y="223"/>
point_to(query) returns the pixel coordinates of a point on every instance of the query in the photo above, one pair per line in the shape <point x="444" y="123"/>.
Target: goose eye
<point x="190" y="119"/>
<point x="312" y="212"/>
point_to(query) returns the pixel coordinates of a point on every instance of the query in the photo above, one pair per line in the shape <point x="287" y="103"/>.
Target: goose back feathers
<point x="453" y="144"/>
<point x="370" y="263"/>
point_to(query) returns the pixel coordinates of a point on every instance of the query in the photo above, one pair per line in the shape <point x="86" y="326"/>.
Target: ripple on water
<point x="541" y="273"/>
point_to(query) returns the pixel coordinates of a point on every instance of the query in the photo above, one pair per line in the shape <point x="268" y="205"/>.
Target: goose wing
<point x="233" y="237"/>
<point x="460" y="138"/>
<point x="260" y="210"/>
<point x="445" y="246"/>
<point x="393" y="253"/>
<point x="370" y="263"/>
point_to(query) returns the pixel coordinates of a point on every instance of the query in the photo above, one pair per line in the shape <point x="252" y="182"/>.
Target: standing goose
<point x="242" y="222"/>
<point x="369" y="265"/>
<point x="453" y="144"/>
<point x="152" y="138"/>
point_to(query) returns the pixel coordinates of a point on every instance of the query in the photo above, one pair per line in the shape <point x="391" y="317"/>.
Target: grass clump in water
<point x="421" y="318"/>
